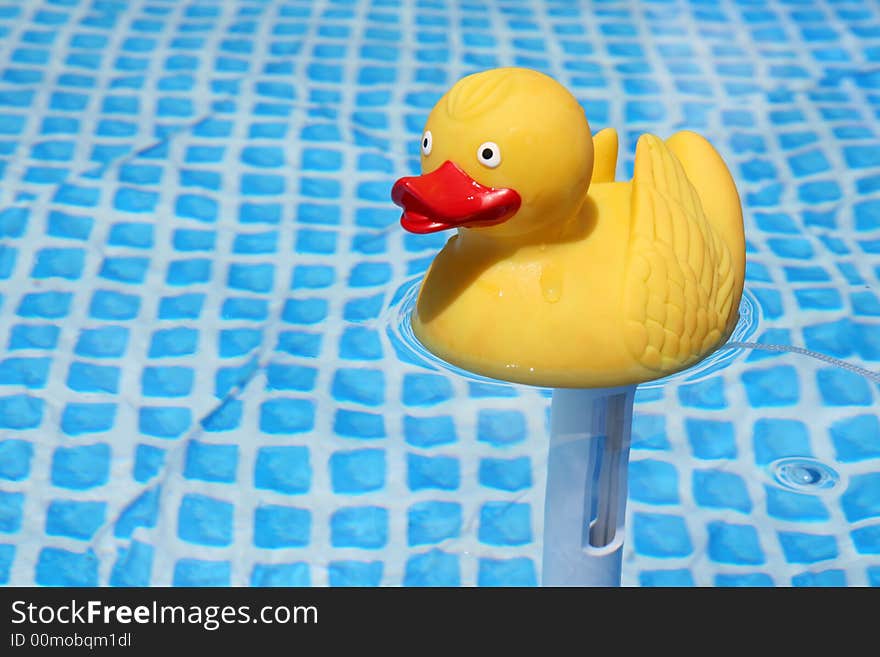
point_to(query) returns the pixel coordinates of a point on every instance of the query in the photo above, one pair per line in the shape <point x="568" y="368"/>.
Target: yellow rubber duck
<point x="560" y="276"/>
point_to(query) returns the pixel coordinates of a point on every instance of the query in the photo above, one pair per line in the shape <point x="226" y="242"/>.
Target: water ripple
<point x="410" y="350"/>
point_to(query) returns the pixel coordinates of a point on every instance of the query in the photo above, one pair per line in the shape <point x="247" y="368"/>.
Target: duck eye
<point x="427" y="142"/>
<point x="489" y="154"/>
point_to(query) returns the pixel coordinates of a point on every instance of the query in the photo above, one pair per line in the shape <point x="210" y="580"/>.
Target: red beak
<point x="449" y="198"/>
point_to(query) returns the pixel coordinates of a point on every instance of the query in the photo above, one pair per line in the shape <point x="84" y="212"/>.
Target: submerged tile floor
<point x="202" y="377"/>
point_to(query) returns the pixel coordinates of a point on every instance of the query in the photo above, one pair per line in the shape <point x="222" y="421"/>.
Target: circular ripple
<point x="803" y="475"/>
<point x="410" y="349"/>
<point x="407" y="345"/>
<point x="749" y="317"/>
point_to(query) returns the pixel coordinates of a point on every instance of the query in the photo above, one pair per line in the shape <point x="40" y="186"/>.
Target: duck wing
<point x="679" y="283"/>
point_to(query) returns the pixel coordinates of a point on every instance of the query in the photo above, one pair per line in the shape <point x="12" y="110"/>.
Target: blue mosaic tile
<point x="654" y="482"/>
<point x="425" y="389"/>
<point x="511" y="474"/>
<point x="238" y="342"/>
<point x="133" y="566"/>
<point x="748" y="580"/>
<point x="359" y="385"/>
<point x="290" y="377"/>
<point x="830" y="578"/>
<point x="865" y="539"/>
<point x="15" y="459"/>
<point x="721" y="490"/>
<point x="433" y="568"/>
<point x="707" y="394"/>
<point x="862" y="498"/>
<point x="148" y="462"/>
<point x="62" y="224"/>
<point x="33" y="336"/>
<point x="284" y="574"/>
<point x="27" y="372"/>
<point x="649" y="432"/>
<point x="207" y="462"/>
<point x="286" y="415"/>
<point x="772" y="336"/>
<point x="357" y="471"/>
<point x="184" y="306"/>
<point x="363" y="527"/>
<point x="283" y="469"/>
<point x="661" y="535"/>
<point x="711" y="439"/>
<point x="505" y="523"/>
<point x="77" y="520"/>
<point x="205" y="520"/>
<point x="170" y="381"/>
<point x="776" y="386"/>
<point x="770" y="302"/>
<point x="356" y="424"/>
<point x="11" y="506"/>
<point x="109" y="305"/>
<point x="666" y="578"/>
<point x="734" y="543"/>
<point x="776" y="439"/>
<point x="103" y="342"/>
<point x="855" y="439"/>
<point x="437" y="472"/>
<point x="59" y="567"/>
<point x="500" y="428"/>
<point x="788" y="505"/>
<point x="164" y="422"/>
<point x="799" y="547"/>
<point x="433" y="522"/>
<point x="225" y="417"/>
<point x="281" y="527"/>
<point x="81" y="467"/>
<point x="246" y="311"/>
<point x="355" y="573"/>
<point x="167" y="343"/>
<point x="143" y="511"/>
<point x="85" y="377"/>
<point x="518" y="571"/>
<point x="429" y="431"/>
<point x="198" y="572"/>
<point x="831" y="338"/>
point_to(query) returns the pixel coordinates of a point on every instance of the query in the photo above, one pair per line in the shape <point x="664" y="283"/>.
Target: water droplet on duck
<point x="551" y="283"/>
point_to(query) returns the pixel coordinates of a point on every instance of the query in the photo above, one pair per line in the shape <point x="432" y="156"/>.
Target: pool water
<point x="207" y="376"/>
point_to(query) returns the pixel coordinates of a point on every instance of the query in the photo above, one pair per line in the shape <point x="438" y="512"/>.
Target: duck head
<point x="506" y="153"/>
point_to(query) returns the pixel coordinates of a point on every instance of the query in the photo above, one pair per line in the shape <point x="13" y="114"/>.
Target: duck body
<point x="560" y="276"/>
<point x="535" y="313"/>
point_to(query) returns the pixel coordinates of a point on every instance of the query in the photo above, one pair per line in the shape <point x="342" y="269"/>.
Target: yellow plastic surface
<point x="592" y="283"/>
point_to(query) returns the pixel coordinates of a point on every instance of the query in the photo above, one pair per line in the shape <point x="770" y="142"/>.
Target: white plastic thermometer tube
<point x="586" y="486"/>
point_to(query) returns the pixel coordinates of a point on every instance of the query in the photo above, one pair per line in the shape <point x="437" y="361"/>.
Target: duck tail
<point x="711" y="178"/>
<point x="604" y="156"/>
